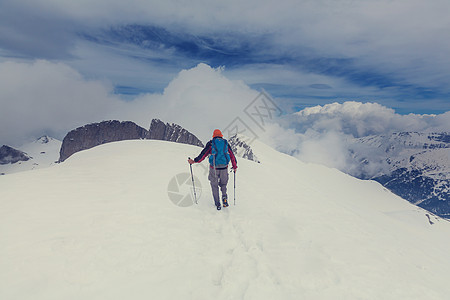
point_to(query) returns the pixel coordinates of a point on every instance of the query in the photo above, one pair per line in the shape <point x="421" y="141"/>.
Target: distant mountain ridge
<point x="39" y="153"/>
<point x="414" y="165"/>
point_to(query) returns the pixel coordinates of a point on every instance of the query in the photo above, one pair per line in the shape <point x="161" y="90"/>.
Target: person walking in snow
<point x="220" y="154"/>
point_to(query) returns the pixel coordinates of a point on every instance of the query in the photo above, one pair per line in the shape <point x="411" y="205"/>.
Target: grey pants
<point x="218" y="178"/>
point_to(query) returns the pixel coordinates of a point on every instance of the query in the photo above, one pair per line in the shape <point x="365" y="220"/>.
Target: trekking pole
<point x="193" y="185"/>
<point x="234" y="192"/>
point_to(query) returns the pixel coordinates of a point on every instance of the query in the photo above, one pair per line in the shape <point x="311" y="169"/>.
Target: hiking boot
<point x="225" y="202"/>
<point x="218" y="207"/>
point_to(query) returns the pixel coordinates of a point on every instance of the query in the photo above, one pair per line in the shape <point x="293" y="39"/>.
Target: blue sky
<point x="304" y="53"/>
<point x="244" y="55"/>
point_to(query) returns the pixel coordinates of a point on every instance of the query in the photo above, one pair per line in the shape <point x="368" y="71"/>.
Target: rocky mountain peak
<point x="241" y="148"/>
<point x="95" y="134"/>
<point x="45" y="139"/>
<point x="171" y="132"/>
<point x="9" y="155"/>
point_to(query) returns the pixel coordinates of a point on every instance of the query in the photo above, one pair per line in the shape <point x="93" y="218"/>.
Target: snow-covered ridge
<point x="101" y="225"/>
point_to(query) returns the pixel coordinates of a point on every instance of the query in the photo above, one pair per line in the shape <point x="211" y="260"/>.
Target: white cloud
<point x="44" y="97"/>
<point x="360" y="119"/>
<point x="324" y="134"/>
<point x="199" y="99"/>
<point x="53" y="98"/>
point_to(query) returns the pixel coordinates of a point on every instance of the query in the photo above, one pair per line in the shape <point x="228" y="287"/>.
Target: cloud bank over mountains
<point x="53" y="98"/>
<point x="325" y="134"/>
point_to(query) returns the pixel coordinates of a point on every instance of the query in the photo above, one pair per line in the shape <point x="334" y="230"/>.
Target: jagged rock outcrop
<point x="9" y="155"/>
<point x="241" y="148"/>
<point x="45" y="139"/>
<point x="171" y="132"/>
<point x="92" y="135"/>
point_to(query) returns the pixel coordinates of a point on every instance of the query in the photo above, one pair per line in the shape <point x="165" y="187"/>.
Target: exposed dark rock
<point x="92" y="135"/>
<point x="45" y="139"/>
<point x="96" y="134"/>
<point x="10" y="155"/>
<point x="171" y="132"/>
<point x="241" y="148"/>
<point x="443" y="137"/>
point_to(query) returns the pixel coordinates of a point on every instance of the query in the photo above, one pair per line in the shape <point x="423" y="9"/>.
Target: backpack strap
<point x="225" y="147"/>
<point x="215" y="146"/>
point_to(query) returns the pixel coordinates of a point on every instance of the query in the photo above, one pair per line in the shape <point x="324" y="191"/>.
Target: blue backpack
<point x="219" y="153"/>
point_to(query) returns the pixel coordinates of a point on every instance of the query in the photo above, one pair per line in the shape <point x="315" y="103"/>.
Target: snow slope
<point x="101" y="226"/>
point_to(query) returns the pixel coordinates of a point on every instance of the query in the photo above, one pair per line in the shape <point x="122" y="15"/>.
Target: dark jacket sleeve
<point x="205" y="152"/>
<point x="232" y="157"/>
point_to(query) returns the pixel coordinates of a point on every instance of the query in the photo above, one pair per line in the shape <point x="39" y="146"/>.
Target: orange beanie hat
<point x="217" y="133"/>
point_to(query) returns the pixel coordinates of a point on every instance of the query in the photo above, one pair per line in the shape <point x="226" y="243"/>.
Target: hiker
<point x="220" y="154"/>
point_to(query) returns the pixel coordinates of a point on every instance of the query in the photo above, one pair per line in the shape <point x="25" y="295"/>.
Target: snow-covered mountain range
<point x="414" y="165"/>
<point x="101" y="225"/>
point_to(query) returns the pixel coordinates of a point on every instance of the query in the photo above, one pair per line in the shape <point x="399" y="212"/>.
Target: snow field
<point x="101" y="226"/>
